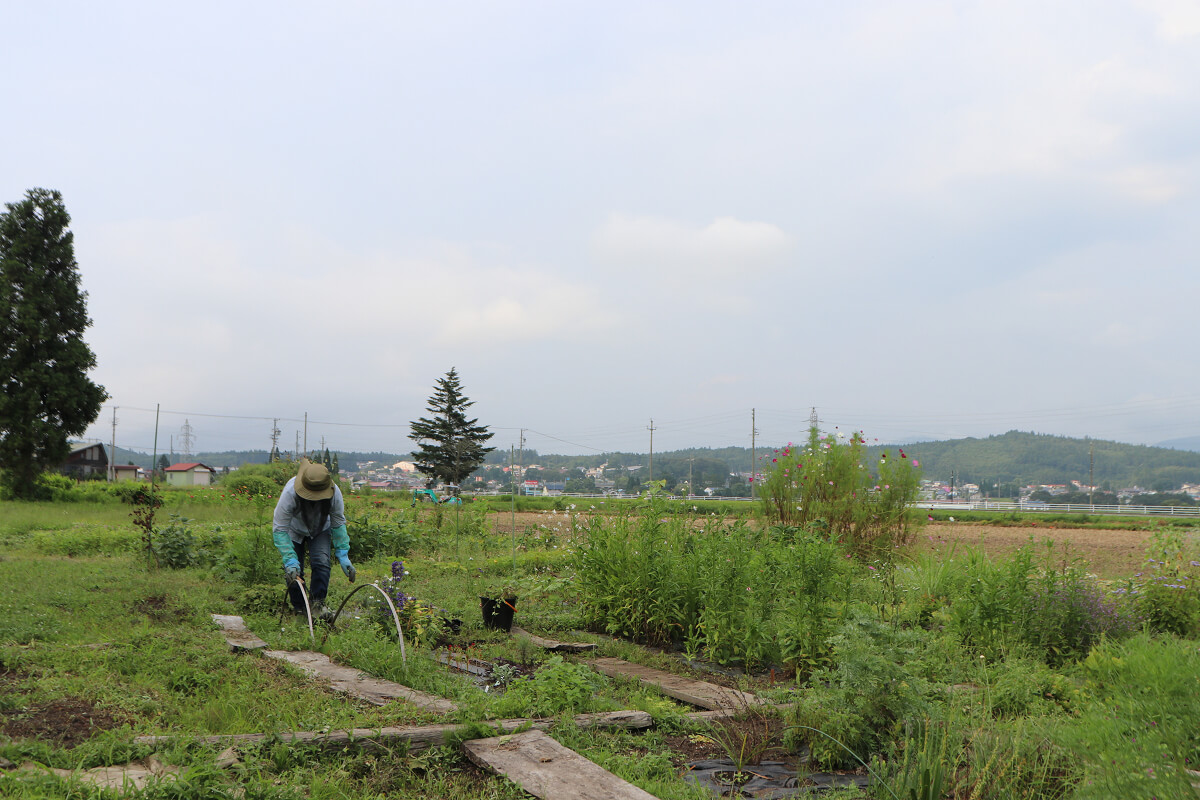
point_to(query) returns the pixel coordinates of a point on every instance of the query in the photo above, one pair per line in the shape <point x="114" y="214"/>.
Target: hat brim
<point x="306" y="493"/>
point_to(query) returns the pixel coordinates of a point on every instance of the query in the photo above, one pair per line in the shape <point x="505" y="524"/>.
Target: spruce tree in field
<point x="45" y="393"/>
<point x="451" y="446"/>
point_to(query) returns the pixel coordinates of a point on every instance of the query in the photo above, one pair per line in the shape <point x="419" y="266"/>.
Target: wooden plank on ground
<point x="358" y="684"/>
<point x="698" y="693"/>
<point x="552" y="644"/>
<point x="417" y="737"/>
<point x="544" y="768"/>
<point x="236" y="633"/>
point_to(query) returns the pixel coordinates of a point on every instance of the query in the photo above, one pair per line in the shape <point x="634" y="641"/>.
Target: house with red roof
<point x="191" y="474"/>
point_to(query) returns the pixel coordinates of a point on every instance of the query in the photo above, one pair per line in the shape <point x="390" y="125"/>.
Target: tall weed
<point x="827" y="485"/>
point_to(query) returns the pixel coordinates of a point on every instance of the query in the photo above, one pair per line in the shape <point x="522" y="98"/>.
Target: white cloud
<point x="1177" y="19"/>
<point x="671" y="249"/>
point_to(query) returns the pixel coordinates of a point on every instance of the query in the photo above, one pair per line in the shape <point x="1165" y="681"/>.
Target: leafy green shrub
<point x="558" y="687"/>
<point x="277" y="472"/>
<point x="175" y="545"/>
<point x="1168" y="590"/>
<point x="1138" y="737"/>
<point x="828" y="481"/>
<point x="1022" y="687"/>
<point x="250" y="484"/>
<point x="370" y="535"/>
<point x="1068" y="613"/>
<point x="49" y="486"/>
<point x="859" y="699"/>
<point x="261" y="599"/>
<point x="1059" y="611"/>
<point x="249" y="558"/>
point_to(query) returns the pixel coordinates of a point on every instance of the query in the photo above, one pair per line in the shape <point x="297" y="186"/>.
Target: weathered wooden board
<point x="126" y="777"/>
<point x="358" y="684"/>
<point x="418" y="737"/>
<point x="552" y="644"/>
<point x="464" y="666"/>
<point x="236" y="633"/>
<point x="544" y="768"/>
<point x="698" y="693"/>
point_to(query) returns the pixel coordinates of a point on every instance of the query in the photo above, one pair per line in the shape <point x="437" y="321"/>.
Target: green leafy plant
<point x="1167" y="591"/>
<point x="371" y="534"/>
<point x="175" y="545"/>
<point x="249" y="558"/>
<point x="146" y="503"/>
<point x="869" y="687"/>
<point x="828" y="483"/>
<point x="557" y="687"/>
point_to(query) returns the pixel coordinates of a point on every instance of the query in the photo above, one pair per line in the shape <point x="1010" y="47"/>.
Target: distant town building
<point x="126" y="472"/>
<point x="190" y="474"/>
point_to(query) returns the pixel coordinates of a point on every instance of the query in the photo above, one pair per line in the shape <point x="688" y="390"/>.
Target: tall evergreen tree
<point x="450" y="445"/>
<point x="45" y="393"/>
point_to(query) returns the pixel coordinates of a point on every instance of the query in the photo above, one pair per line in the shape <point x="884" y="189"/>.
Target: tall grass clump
<point x="1167" y="591"/>
<point x="1059" y="611"/>
<point x="827" y="485"/>
<point x="1138" y="737"/>
<point x="729" y="591"/>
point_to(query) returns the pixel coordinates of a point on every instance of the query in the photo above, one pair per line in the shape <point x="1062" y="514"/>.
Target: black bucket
<point x="498" y="613"/>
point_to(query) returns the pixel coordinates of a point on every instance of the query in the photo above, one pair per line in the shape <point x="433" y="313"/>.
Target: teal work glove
<point x="343" y="557"/>
<point x="340" y="539"/>
<point x="283" y="543"/>
<point x="291" y="568"/>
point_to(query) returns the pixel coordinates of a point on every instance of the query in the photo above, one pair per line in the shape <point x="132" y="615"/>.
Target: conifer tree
<point x="450" y="445"/>
<point x="45" y="393"/>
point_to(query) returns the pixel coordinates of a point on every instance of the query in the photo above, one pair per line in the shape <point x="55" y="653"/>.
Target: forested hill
<point x="1026" y="458"/>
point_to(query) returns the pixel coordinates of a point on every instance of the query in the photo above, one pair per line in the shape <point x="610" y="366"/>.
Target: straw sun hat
<point x="313" y="481"/>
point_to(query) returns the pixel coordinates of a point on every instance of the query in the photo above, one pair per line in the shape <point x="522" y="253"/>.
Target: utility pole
<point x="813" y="421"/>
<point x="651" y="429"/>
<point x="691" y="489"/>
<point x="305" y="433"/>
<point x="521" y="461"/>
<point x="296" y="451"/>
<point x="154" y="458"/>
<point x="1092" y="474"/>
<point x="112" y="464"/>
<point x="274" y="440"/>
<point x="753" y="452"/>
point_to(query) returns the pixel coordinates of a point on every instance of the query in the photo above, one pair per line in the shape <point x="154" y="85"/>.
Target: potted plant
<point x="498" y="602"/>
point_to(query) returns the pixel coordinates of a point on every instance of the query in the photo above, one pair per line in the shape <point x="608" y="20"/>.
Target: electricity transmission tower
<point x="186" y="439"/>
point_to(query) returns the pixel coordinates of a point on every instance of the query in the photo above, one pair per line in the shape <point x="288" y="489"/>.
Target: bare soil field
<point x="1109" y="553"/>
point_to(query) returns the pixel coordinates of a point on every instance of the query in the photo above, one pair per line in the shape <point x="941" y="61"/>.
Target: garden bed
<point x="878" y="680"/>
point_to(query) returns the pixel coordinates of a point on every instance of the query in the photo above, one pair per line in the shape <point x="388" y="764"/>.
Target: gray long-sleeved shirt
<point x="287" y="518"/>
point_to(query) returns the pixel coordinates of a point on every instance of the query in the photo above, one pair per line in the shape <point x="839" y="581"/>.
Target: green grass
<point x="83" y="616"/>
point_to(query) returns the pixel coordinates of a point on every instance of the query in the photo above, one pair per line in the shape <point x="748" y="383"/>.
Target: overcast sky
<point x="925" y="219"/>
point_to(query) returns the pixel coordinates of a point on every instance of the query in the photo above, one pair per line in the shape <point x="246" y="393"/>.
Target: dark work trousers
<point x="319" y="549"/>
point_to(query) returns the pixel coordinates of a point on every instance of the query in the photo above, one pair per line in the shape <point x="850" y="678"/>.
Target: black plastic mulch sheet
<point x="770" y="779"/>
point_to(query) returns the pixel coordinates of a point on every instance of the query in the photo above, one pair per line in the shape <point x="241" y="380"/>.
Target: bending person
<point x="310" y="519"/>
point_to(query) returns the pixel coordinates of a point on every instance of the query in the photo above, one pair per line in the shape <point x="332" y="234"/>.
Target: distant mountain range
<point x="995" y="463"/>
<point x="1186" y="443"/>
